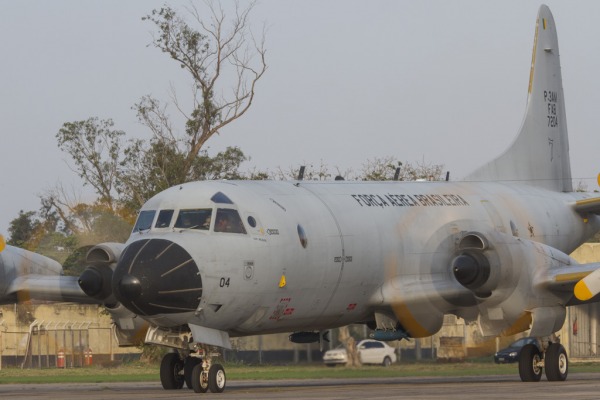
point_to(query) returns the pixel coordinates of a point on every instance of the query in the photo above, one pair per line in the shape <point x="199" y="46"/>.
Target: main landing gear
<point x="195" y="370"/>
<point x="552" y="357"/>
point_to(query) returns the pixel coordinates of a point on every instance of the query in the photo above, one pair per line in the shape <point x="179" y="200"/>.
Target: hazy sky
<point x="444" y="81"/>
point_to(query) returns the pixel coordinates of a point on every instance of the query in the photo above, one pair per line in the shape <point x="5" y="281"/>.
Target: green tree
<point x="22" y="229"/>
<point x="95" y="147"/>
<point x="152" y="170"/>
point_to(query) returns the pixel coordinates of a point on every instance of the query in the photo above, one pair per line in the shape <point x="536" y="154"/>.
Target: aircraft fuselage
<point x="313" y="255"/>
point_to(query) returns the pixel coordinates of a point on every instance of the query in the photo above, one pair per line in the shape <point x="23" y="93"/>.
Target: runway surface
<point x="578" y="386"/>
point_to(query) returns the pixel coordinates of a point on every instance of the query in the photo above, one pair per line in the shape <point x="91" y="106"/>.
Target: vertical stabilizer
<point x="539" y="155"/>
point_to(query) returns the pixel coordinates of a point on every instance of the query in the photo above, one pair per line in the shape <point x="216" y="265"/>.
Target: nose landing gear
<point x="212" y="378"/>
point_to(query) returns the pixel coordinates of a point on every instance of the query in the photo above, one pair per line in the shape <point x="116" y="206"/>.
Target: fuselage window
<point x="252" y="221"/>
<point x="219" y="197"/>
<point x="144" y="220"/>
<point x="194" y="219"/>
<point x="302" y="236"/>
<point x="164" y="219"/>
<point x="229" y="220"/>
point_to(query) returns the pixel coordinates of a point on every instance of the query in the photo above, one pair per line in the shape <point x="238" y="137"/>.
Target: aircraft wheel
<point x="171" y="367"/>
<point x="216" y="378"/>
<point x="387" y="362"/>
<point x="199" y="379"/>
<point x="529" y="364"/>
<point x="556" y="362"/>
<point x="188" y="366"/>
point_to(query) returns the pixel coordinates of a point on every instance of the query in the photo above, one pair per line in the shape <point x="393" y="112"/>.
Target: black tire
<point x="387" y="362"/>
<point x="170" y="372"/>
<point x="556" y="363"/>
<point x="199" y="380"/>
<point x="216" y="378"/>
<point x="529" y="361"/>
<point x="188" y="365"/>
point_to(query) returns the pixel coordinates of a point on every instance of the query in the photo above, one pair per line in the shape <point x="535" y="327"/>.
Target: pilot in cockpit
<point x="206" y="223"/>
<point x="223" y="224"/>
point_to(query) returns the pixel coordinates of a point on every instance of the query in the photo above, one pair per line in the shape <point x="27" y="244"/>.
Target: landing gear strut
<point x="554" y="359"/>
<point x="195" y="370"/>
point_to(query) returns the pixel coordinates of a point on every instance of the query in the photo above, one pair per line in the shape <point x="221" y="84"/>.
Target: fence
<point x="55" y="344"/>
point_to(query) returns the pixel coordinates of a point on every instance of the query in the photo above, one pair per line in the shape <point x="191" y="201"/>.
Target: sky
<point x="443" y="82"/>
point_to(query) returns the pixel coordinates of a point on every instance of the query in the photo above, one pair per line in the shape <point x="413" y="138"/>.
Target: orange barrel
<point x="87" y="354"/>
<point x="60" y="359"/>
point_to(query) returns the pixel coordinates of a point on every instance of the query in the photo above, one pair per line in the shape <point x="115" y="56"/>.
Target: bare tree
<point x="225" y="61"/>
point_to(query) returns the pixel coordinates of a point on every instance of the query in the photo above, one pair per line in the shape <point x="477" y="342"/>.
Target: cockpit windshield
<point x="198" y="218"/>
<point x="144" y="221"/>
<point x="228" y="220"/>
<point x="164" y="219"/>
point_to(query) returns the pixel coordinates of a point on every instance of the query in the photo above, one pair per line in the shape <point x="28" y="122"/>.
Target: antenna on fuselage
<point x="397" y="173"/>
<point x="301" y="173"/>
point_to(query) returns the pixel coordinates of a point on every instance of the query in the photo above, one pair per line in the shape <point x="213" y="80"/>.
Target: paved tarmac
<point x="578" y="386"/>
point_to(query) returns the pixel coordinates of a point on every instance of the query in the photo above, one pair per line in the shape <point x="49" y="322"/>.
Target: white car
<point x="369" y="352"/>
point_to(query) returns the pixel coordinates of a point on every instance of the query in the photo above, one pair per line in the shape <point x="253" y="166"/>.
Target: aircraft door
<point x="315" y="256"/>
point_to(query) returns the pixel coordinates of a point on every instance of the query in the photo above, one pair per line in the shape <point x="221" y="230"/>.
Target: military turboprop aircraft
<point x="211" y="260"/>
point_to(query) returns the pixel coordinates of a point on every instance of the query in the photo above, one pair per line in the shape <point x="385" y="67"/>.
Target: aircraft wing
<point x="48" y="288"/>
<point x="591" y="205"/>
<point x="583" y="280"/>
<point x="25" y="275"/>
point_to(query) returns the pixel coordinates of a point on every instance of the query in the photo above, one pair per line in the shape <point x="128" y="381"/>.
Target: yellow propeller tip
<point x="2" y="243"/>
<point x="582" y="292"/>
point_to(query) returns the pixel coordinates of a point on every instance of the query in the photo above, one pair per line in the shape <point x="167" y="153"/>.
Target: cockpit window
<point x="144" y="221"/>
<point x="194" y="219"/>
<point x="229" y="220"/>
<point x="219" y="197"/>
<point x="164" y="219"/>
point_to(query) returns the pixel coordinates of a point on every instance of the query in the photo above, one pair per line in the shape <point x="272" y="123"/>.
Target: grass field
<point x="137" y="372"/>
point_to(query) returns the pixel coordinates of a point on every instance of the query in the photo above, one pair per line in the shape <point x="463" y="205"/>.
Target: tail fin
<point x="539" y="156"/>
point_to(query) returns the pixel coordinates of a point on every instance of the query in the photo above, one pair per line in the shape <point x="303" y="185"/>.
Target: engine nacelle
<point x="505" y="273"/>
<point x="96" y="280"/>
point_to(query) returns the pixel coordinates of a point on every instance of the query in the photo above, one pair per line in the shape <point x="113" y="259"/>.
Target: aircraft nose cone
<point x="157" y="276"/>
<point x="130" y="287"/>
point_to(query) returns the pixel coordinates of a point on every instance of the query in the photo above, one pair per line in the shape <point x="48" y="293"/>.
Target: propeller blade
<point x="2" y="243"/>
